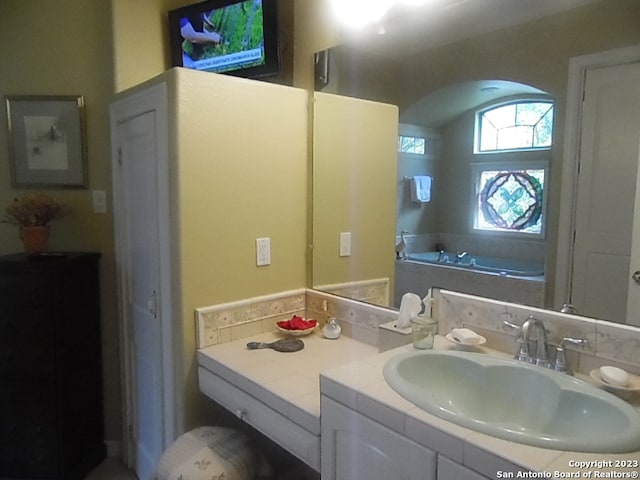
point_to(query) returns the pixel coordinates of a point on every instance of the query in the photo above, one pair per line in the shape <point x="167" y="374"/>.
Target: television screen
<point x="226" y="36"/>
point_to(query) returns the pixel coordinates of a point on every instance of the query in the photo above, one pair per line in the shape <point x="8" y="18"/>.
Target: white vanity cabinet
<point x="354" y="447"/>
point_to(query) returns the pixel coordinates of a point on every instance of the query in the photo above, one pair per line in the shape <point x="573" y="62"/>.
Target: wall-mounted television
<point x="226" y="36"/>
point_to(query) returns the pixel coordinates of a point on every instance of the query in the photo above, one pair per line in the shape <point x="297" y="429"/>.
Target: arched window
<point x="522" y="125"/>
<point x="510" y="184"/>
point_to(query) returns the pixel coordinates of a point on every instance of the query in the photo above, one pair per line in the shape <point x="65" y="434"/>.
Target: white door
<point x="633" y="297"/>
<point x="140" y="165"/>
<point x="606" y="191"/>
<point x="138" y="201"/>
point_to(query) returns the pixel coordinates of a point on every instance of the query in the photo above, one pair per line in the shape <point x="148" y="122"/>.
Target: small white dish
<point x="614" y="376"/>
<point x="632" y="386"/>
<point x="478" y="340"/>
<point x="297" y="333"/>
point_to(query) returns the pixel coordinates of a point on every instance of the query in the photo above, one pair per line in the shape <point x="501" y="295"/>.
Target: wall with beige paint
<point x="240" y="174"/>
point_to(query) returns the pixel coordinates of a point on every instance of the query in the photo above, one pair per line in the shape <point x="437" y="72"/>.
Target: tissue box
<point x="390" y="336"/>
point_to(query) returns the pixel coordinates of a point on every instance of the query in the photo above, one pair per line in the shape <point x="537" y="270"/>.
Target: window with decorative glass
<point x="510" y="200"/>
<point x="521" y="125"/>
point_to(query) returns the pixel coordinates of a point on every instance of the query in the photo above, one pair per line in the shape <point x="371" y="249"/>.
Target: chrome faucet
<point x="537" y="344"/>
<point x="532" y="349"/>
<point x="442" y="257"/>
<point x="460" y="255"/>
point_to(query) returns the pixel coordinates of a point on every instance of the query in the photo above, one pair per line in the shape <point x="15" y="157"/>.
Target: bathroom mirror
<point x="438" y="62"/>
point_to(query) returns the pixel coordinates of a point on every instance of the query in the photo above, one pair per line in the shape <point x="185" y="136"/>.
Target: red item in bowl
<point x="297" y="323"/>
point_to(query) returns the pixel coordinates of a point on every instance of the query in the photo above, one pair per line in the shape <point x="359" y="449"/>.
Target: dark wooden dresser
<point x="51" y="418"/>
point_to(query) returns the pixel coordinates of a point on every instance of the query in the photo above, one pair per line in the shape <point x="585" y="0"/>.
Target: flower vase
<point x="35" y="239"/>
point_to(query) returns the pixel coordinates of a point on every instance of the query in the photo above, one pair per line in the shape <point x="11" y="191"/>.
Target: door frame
<point x="578" y="67"/>
<point x="152" y="99"/>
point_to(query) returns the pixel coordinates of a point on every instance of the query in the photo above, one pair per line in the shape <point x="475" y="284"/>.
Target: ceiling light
<point x="358" y="13"/>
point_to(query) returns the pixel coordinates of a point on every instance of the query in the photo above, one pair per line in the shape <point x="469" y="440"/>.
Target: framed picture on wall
<point x="46" y="141"/>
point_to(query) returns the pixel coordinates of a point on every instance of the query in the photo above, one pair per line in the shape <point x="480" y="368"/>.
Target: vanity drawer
<point x="291" y="436"/>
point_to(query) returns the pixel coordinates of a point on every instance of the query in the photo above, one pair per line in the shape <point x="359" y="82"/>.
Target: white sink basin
<point x="515" y="401"/>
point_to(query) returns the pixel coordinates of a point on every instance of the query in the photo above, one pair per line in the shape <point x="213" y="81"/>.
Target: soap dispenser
<point x="332" y="329"/>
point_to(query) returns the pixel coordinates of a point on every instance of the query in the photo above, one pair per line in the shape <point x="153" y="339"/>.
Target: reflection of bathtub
<point x="501" y="266"/>
<point x="517" y="282"/>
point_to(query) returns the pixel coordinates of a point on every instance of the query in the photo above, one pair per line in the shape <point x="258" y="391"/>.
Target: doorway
<point x="599" y="183"/>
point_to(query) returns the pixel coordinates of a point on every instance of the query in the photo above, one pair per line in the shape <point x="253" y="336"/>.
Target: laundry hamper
<point x="207" y="453"/>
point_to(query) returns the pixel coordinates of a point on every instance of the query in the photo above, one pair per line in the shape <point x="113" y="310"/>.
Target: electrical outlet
<point x="263" y="251"/>
<point x="345" y="244"/>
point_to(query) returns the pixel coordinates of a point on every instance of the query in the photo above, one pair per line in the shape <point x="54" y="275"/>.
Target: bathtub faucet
<point x="442" y="256"/>
<point x="460" y="255"/>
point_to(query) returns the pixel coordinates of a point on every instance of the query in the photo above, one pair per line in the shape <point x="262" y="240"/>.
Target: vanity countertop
<point x="350" y="372"/>
<point x="286" y="382"/>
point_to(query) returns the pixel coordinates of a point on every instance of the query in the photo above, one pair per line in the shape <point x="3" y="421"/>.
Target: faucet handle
<point x="512" y="325"/>
<point x="578" y="342"/>
<point x="560" y="363"/>
<point x="523" y="347"/>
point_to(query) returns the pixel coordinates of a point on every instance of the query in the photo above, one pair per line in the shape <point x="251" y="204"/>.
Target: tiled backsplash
<point x="226" y="322"/>
<point x="235" y="320"/>
<point x="609" y="343"/>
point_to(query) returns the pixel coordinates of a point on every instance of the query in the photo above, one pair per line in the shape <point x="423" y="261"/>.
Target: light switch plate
<point x="99" y="199"/>
<point x="345" y="244"/>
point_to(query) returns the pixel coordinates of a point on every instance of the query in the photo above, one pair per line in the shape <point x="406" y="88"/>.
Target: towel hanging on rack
<point x="420" y="188"/>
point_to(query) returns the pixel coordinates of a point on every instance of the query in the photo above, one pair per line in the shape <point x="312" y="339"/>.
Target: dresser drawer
<point x="28" y="421"/>
<point x="24" y="289"/>
<point x="26" y="323"/>
<point x="27" y="461"/>
<point x="20" y="358"/>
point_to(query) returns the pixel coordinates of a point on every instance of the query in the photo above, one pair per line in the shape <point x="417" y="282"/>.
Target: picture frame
<point x="47" y="141"/>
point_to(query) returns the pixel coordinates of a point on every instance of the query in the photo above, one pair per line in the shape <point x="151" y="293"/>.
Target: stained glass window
<point x="511" y="200"/>
<point x="409" y="144"/>
<point x="515" y="126"/>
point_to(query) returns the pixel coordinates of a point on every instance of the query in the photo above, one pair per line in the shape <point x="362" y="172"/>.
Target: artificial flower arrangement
<point x="34" y="211"/>
<point x="33" y="214"/>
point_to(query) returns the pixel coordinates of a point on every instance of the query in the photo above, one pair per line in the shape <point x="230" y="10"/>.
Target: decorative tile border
<point x="374" y="291"/>
<point x="252" y="316"/>
<point x="235" y="320"/>
<point x="608" y="342"/>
